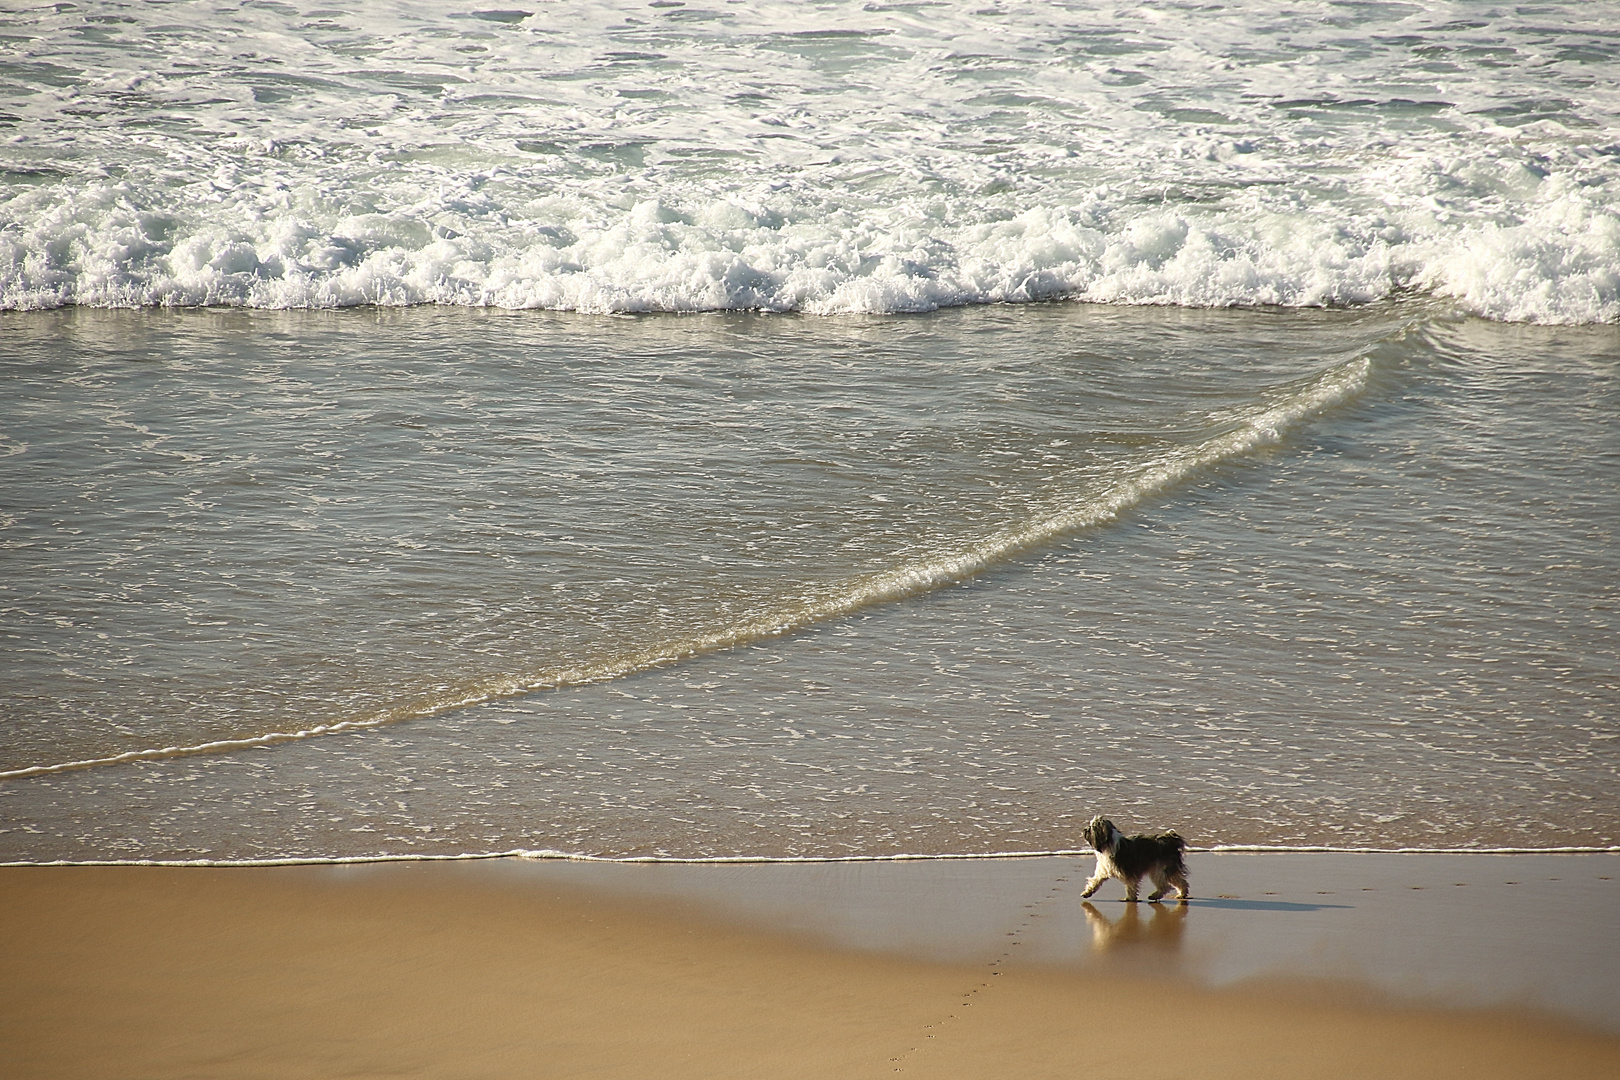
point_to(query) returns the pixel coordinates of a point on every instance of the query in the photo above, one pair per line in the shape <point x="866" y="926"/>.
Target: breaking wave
<point x="602" y="157"/>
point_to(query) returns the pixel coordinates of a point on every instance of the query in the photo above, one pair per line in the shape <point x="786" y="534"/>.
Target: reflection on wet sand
<point x="1162" y="931"/>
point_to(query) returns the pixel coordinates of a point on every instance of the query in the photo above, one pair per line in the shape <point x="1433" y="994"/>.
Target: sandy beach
<point x="1291" y="965"/>
<point x="451" y="454"/>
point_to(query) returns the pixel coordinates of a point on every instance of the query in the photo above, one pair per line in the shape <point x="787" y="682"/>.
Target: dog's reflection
<point x="1162" y="931"/>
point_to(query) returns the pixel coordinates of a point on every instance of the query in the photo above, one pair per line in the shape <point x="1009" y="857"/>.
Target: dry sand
<point x="565" y="970"/>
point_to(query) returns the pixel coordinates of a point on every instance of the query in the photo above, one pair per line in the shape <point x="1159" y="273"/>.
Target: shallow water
<point x="318" y="540"/>
<point x="948" y="583"/>
<point x="1523" y="932"/>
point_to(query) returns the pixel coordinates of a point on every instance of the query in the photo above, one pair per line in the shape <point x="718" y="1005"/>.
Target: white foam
<point x="1561" y="264"/>
<point x="614" y="158"/>
<point x="548" y="855"/>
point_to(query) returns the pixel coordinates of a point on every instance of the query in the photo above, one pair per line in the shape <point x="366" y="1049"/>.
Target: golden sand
<point x="432" y="971"/>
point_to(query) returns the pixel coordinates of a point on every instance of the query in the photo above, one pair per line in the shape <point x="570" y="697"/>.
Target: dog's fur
<point x="1129" y="858"/>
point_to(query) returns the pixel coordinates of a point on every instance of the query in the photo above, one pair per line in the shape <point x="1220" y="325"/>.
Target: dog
<point x="1129" y="858"/>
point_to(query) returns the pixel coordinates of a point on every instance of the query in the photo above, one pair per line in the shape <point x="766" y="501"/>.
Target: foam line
<point x="1265" y="425"/>
<point x="547" y="855"/>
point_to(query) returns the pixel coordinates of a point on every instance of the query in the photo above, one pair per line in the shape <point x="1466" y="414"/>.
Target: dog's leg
<point x="1163" y="883"/>
<point x="1104" y="870"/>
<point x="1130" y="890"/>
<point x="1180" y="882"/>
<point x="1094" y="884"/>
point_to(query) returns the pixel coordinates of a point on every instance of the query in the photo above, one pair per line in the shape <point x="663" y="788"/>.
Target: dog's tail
<point x="1175" y="843"/>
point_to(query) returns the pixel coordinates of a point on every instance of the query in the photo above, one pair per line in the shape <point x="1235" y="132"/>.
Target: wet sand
<point x="1318" y="966"/>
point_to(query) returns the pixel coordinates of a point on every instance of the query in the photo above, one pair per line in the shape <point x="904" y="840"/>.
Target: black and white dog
<point x="1128" y="858"/>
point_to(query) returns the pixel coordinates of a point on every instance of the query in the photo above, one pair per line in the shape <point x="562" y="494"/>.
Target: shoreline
<point x="548" y="855"/>
<point x="1280" y="966"/>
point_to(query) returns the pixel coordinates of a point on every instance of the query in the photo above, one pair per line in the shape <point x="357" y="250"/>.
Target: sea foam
<point x="618" y="158"/>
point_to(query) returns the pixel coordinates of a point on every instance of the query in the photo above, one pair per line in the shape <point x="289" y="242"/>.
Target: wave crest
<point x="99" y="247"/>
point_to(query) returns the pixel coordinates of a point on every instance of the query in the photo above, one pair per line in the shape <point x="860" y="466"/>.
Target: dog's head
<point x="1100" y="833"/>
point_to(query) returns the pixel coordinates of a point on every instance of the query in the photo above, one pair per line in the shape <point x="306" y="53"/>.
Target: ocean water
<point x="712" y="430"/>
<point x="821" y="157"/>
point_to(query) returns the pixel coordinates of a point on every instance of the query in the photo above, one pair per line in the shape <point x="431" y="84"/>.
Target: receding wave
<point x="1260" y="425"/>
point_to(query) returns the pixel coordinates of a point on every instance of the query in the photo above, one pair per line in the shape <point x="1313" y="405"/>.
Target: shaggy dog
<point x="1128" y="858"/>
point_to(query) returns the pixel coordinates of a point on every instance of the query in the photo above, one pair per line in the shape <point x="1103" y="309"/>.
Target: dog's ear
<point x="1100" y="833"/>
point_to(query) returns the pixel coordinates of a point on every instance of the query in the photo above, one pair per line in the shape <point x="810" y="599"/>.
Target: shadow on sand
<point x="1233" y="903"/>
